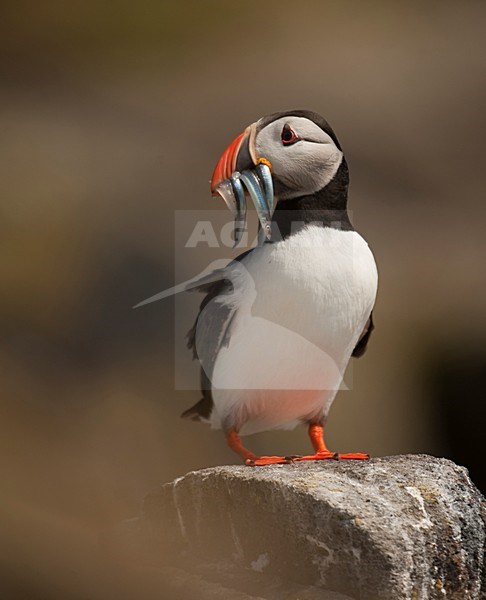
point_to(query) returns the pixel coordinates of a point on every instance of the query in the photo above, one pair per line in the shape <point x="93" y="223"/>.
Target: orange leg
<point x="316" y="434"/>
<point x="234" y="442"/>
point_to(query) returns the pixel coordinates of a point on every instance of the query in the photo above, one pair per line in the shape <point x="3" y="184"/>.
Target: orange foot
<point x="334" y="456"/>
<point x="321" y="455"/>
<point x="354" y="456"/>
<point x="261" y="461"/>
<point x="250" y="459"/>
<point x="316" y="434"/>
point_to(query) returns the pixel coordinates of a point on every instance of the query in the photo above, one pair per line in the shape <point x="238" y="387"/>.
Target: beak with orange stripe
<point x="239" y="174"/>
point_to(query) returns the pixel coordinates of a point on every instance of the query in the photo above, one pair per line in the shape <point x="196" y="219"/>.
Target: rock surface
<point x="400" y="527"/>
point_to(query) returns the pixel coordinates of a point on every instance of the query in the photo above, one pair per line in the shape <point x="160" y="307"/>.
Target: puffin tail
<point x="201" y="411"/>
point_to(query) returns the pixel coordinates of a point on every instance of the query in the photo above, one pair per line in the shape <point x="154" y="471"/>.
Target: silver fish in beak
<point x="240" y="173"/>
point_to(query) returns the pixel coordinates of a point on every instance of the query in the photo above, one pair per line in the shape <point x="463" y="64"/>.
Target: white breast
<point x="300" y="313"/>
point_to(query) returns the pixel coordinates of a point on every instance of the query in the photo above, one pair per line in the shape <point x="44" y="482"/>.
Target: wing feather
<point x="211" y="331"/>
<point x="362" y="344"/>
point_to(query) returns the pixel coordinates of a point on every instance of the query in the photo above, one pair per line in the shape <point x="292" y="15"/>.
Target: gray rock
<point x="400" y="527"/>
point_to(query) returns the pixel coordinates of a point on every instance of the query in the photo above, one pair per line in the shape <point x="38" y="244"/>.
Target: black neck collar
<point x="327" y="208"/>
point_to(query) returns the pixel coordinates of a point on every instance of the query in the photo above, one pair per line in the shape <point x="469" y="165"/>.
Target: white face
<point x="304" y="158"/>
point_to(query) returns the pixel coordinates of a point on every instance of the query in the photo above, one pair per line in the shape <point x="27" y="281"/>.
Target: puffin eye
<point x="288" y="136"/>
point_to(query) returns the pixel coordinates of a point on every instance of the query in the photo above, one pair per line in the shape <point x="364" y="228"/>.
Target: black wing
<point x="210" y="332"/>
<point x="362" y="344"/>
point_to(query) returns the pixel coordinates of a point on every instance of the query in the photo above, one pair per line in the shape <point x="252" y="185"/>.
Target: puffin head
<point x="282" y="156"/>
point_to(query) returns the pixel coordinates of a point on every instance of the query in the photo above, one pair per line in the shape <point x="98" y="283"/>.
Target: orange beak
<point x="227" y="163"/>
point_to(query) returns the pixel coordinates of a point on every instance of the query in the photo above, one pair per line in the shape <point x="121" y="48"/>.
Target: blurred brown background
<point x="112" y="117"/>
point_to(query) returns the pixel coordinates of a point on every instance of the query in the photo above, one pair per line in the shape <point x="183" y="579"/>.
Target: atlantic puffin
<point x="279" y="324"/>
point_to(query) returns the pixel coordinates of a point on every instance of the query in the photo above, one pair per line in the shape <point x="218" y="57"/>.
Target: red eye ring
<point x="288" y="135"/>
